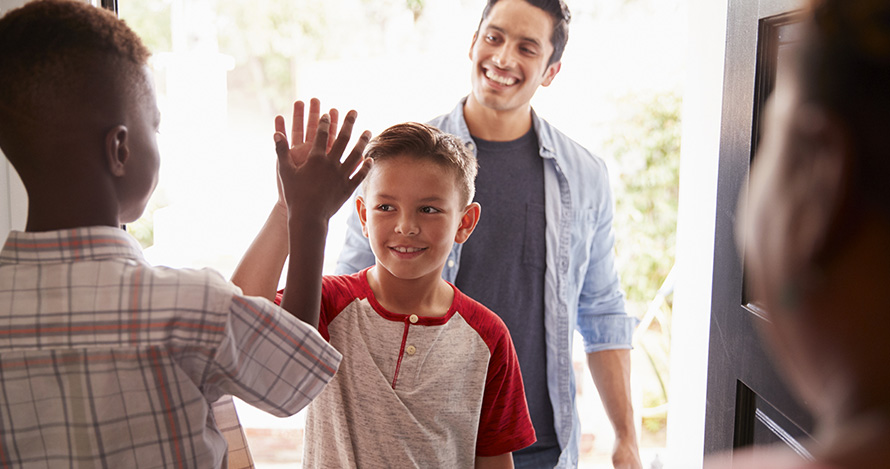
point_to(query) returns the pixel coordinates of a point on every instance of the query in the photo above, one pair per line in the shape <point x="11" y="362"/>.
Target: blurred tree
<point x="646" y="147"/>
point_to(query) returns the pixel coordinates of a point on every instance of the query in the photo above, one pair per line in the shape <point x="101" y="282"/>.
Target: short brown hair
<point x="63" y="55"/>
<point x="426" y="142"/>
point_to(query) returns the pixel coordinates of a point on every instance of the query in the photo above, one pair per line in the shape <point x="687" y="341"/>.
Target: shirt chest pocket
<point x="585" y="238"/>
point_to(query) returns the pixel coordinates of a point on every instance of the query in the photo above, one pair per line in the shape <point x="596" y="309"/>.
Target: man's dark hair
<point x="558" y="11"/>
<point x="844" y="66"/>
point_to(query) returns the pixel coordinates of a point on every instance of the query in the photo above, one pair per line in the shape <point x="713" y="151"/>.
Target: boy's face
<point x="412" y="213"/>
<point x="141" y="176"/>
<point x="510" y="54"/>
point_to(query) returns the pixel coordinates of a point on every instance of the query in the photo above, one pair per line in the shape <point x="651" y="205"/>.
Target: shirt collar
<point x="542" y="129"/>
<point x="77" y="244"/>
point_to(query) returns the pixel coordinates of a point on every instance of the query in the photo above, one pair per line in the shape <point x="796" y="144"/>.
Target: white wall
<point x="695" y="232"/>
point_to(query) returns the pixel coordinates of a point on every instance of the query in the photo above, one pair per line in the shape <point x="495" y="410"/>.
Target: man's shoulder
<point x="565" y="147"/>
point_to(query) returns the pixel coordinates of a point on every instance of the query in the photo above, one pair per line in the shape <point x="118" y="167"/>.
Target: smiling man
<point x="542" y="257"/>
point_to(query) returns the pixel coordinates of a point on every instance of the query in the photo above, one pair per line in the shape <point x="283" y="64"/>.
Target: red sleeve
<point x="504" y="422"/>
<point x="337" y="291"/>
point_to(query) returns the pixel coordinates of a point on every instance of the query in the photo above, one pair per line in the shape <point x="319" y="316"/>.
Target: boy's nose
<point x="407" y="226"/>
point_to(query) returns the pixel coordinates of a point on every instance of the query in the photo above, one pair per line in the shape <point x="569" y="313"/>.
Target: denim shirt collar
<point x="455" y="120"/>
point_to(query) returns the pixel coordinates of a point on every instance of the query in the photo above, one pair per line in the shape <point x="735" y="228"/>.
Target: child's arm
<point x="315" y="184"/>
<point x="501" y="461"/>
<point x="260" y="269"/>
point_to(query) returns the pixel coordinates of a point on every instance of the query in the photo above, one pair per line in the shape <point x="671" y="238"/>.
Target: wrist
<point x="302" y="219"/>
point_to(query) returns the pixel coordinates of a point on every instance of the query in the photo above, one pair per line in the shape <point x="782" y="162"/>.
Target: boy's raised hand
<point x="311" y="176"/>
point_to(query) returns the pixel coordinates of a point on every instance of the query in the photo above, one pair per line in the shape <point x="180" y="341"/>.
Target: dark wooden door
<point x="747" y="401"/>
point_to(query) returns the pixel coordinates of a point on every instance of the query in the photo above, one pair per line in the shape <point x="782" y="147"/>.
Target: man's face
<point x="510" y="54"/>
<point x="141" y="175"/>
<point x="411" y="212"/>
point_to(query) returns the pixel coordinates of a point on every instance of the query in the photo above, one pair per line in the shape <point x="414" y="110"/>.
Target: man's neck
<point x="495" y="125"/>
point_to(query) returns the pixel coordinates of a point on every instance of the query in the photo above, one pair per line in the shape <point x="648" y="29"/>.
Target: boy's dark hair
<point x="844" y="67"/>
<point x="426" y="142"/>
<point x="558" y="11"/>
<point x="62" y="54"/>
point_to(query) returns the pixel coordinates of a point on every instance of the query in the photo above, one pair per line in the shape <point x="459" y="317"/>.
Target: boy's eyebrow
<point x="504" y="32"/>
<point x="433" y="198"/>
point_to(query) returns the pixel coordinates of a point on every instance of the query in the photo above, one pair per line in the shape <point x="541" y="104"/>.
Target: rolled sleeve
<point x="602" y="319"/>
<point x="607" y="331"/>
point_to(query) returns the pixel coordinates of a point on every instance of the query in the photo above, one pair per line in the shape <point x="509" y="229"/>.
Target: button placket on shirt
<point x="410" y="349"/>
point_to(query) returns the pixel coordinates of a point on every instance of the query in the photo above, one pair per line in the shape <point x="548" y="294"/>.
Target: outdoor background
<point x="225" y="68"/>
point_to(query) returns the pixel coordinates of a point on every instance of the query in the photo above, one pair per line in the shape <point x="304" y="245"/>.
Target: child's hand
<point x="312" y="178"/>
<point x="298" y="139"/>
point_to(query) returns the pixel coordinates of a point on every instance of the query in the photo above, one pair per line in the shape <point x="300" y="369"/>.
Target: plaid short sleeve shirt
<point x="107" y="361"/>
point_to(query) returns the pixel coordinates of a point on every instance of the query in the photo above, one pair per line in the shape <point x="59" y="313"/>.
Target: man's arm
<point x="607" y="329"/>
<point x="610" y="370"/>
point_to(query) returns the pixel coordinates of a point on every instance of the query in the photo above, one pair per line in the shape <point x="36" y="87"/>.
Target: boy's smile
<point x="412" y="214"/>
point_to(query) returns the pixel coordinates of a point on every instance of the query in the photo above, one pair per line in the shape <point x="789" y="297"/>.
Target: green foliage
<point x="646" y="146"/>
<point x="151" y="21"/>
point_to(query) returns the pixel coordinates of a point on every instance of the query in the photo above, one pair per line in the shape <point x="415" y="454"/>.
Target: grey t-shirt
<point x="502" y="264"/>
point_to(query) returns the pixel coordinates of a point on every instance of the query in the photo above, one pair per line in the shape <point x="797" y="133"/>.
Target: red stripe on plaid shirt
<point x="268" y="321"/>
<point x="66" y="244"/>
<point x="113" y="327"/>
<point x="169" y="409"/>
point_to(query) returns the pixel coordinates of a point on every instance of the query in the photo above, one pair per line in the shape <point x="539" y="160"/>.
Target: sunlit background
<point x="225" y="68"/>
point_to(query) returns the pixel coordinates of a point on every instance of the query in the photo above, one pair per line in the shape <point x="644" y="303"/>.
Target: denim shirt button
<point x="450" y="262"/>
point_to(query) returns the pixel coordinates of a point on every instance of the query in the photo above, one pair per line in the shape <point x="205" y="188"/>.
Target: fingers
<point x="281" y="147"/>
<point x="321" y="135"/>
<point x="361" y="173"/>
<point x="296" y="130"/>
<point x="335" y="115"/>
<point x="342" y="140"/>
<point x="355" y="156"/>
<point x="312" y="125"/>
<point x="279" y="128"/>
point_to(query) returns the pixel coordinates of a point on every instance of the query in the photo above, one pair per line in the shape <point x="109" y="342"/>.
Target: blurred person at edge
<point x="815" y="228"/>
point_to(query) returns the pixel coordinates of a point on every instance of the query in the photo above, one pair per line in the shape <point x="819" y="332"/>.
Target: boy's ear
<point x="117" y="150"/>
<point x="362" y="214"/>
<point x="468" y="222"/>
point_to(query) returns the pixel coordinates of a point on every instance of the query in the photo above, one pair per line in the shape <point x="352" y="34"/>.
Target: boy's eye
<point x="384" y="207"/>
<point x="429" y="210"/>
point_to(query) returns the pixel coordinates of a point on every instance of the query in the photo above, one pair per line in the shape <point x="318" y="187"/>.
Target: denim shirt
<point x="581" y="287"/>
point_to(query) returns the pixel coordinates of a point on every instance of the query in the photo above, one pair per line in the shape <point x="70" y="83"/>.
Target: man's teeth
<point x="506" y="81"/>
<point x="407" y="250"/>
